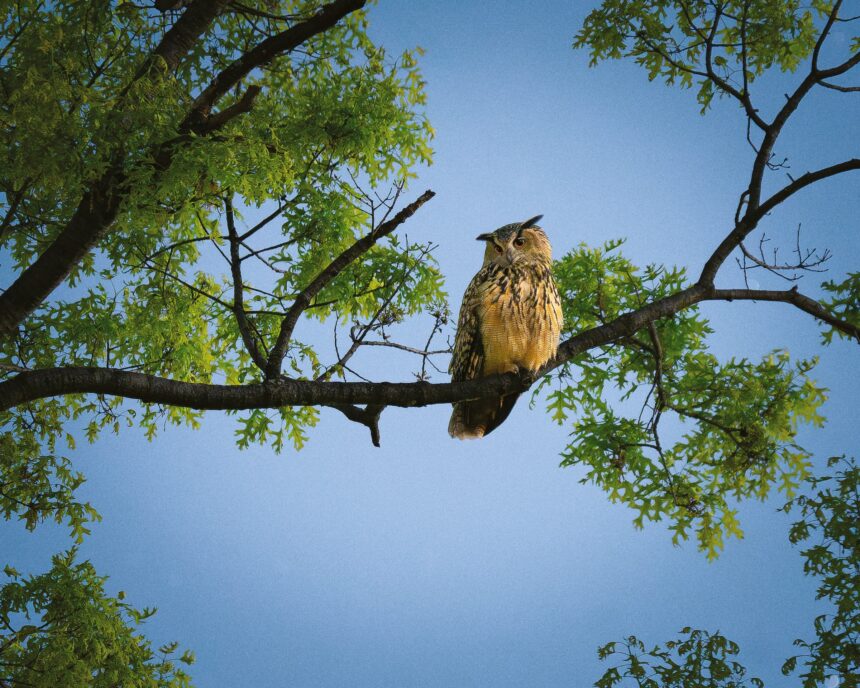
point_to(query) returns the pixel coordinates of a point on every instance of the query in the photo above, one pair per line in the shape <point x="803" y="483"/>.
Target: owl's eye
<point x="519" y="241"/>
<point x="498" y="248"/>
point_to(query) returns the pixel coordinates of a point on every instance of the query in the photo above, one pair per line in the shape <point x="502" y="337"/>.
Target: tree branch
<point x="743" y="98"/>
<point x="100" y="204"/>
<point x="181" y="37"/>
<point x="838" y="87"/>
<point x="304" y="299"/>
<point x="238" y="290"/>
<point x="219" y="119"/>
<point x="31" y="385"/>
<point x="803" y="181"/>
<point x="795" y="298"/>
<point x="753" y="214"/>
<point x="48" y="382"/>
<point x="268" y="49"/>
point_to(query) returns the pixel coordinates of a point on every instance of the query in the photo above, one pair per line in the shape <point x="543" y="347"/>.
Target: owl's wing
<point x="468" y="359"/>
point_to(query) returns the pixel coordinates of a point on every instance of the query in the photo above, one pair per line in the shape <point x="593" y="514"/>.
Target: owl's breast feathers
<point x="510" y="320"/>
<point x="519" y="312"/>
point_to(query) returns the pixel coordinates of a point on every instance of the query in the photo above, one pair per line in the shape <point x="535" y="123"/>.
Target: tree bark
<point x="37" y="384"/>
<point x="100" y="204"/>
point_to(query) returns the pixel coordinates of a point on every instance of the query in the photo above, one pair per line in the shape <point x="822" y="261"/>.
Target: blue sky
<point x="430" y="562"/>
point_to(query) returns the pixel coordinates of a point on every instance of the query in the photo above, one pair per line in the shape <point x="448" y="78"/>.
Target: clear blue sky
<point x="431" y="562"/>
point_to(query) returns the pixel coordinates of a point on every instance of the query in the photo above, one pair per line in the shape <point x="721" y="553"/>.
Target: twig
<point x="304" y="299"/>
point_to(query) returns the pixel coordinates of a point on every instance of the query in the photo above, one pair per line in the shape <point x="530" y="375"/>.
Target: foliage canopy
<point x="184" y="183"/>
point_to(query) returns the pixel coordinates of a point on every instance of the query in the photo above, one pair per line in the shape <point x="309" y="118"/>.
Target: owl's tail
<point x="472" y="420"/>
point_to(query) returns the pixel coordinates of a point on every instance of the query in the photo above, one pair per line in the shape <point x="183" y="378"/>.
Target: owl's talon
<point x="527" y="377"/>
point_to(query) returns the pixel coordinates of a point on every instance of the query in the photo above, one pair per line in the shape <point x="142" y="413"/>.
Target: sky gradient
<point x="431" y="562"/>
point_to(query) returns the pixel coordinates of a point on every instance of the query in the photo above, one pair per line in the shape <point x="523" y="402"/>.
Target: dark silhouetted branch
<point x="238" y="290"/>
<point x="795" y="298"/>
<point x="753" y="215"/>
<point x="36" y="384"/>
<point x="305" y="298"/>
<point x="837" y="87"/>
<point x="101" y="202"/>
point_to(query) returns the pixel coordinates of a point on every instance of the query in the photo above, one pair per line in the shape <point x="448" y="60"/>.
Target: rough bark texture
<point x="31" y="385"/>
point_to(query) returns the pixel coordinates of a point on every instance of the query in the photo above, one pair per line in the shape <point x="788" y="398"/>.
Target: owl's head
<point x="519" y="242"/>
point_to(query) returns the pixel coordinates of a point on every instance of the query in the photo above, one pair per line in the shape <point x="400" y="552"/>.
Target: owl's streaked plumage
<point x="510" y="321"/>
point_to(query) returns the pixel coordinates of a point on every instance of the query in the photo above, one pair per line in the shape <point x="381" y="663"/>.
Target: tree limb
<point x="238" y="290"/>
<point x="838" y="87"/>
<point x="36" y="384"/>
<point x="101" y="202"/>
<point x="753" y="215"/>
<point x="795" y="298"/>
<point x="241" y="106"/>
<point x="268" y="49"/>
<point x="304" y="299"/>
<point x="816" y="51"/>
<point x="805" y="180"/>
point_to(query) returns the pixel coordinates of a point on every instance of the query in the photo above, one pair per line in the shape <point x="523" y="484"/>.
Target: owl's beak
<point x="484" y="237"/>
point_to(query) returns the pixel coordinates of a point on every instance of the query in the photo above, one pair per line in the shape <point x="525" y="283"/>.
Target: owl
<point x="510" y="321"/>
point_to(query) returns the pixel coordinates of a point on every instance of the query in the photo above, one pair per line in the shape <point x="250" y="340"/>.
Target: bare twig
<point x="755" y="211"/>
<point x="359" y="331"/>
<point x="808" y="260"/>
<point x="367" y="416"/>
<point x="838" y="87"/>
<point x="409" y="349"/>
<point x="304" y="299"/>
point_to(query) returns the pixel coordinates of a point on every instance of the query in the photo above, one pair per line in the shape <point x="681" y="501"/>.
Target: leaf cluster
<point x="719" y="48"/>
<point x="731" y="424"/>
<point x="830" y="522"/>
<point x="61" y="628"/>
<point x="844" y="303"/>
<point x="697" y="659"/>
<point x="830" y="528"/>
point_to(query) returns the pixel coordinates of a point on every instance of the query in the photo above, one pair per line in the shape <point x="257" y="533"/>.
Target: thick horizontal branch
<point x="31" y="385"/>
<point x="270" y="394"/>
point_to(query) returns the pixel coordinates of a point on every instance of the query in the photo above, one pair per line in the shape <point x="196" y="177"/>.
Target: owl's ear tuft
<point x="530" y="222"/>
<point x="484" y="237"/>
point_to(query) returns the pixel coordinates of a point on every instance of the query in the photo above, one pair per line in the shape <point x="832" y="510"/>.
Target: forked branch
<point x="101" y="202"/>
<point x="348" y="256"/>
